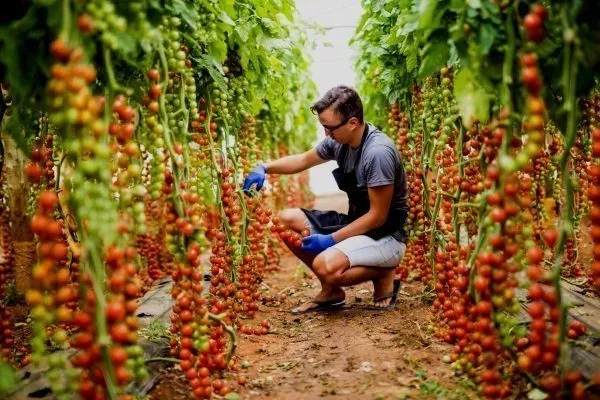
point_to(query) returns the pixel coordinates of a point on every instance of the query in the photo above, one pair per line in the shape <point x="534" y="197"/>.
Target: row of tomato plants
<point x="141" y="122"/>
<point x="501" y="174"/>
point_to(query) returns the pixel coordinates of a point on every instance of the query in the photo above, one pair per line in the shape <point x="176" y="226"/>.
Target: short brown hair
<point x="343" y="100"/>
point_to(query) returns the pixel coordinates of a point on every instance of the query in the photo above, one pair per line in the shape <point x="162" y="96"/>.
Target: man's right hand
<point x="255" y="178"/>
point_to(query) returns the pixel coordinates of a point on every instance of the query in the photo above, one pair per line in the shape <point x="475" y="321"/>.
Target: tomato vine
<point x="490" y="95"/>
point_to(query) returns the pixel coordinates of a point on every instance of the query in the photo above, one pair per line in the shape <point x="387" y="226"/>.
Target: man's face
<point x="341" y="130"/>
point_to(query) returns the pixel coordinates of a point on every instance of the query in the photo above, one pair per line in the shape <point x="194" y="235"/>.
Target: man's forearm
<point x="359" y="226"/>
<point x="286" y="165"/>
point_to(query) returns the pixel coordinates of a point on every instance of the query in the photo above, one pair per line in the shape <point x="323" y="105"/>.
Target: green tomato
<point x="120" y="24"/>
<point x="71" y="116"/>
<point x="520" y="331"/>
<point x="108" y="8"/>
<point x="134" y="170"/>
<point x="140" y="218"/>
<point x="101" y="150"/>
<point x="56" y="360"/>
<point x="130" y="364"/>
<point x="139" y="190"/>
<point x="141" y="374"/>
<point x="53" y="375"/>
<point x="499" y="318"/>
<point x="72" y="374"/>
<point x="522" y="160"/>
<point x="139" y="207"/>
<point x="507" y="164"/>
<point x="60" y="336"/>
<point x="73" y="148"/>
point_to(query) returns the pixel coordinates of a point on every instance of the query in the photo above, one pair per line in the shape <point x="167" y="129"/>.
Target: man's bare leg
<point x="383" y="281"/>
<point x="336" y="271"/>
<point x="294" y="218"/>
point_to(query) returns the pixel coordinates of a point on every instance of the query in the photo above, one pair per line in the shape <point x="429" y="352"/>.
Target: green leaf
<point x="491" y="10"/>
<point x="474" y="3"/>
<point x="427" y="12"/>
<point x="181" y="9"/>
<point x="457" y="5"/>
<point x="288" y="10"/>
<point x="213" y="68"/>
<point x="536" y="394"/>
<point x="226" y="18"/>
<point x="126" y="43"/>
<point x="472" y="99"/>
<point x="378" y="5"/>
<point x="218" y="50"/>
<point x="232" y="396"/>
<point x="411" y="61"/>
<point x="276" y="44"/>
<point x="243" y="31"/>
<point x="435" y="55"/>
<point x="8" y="379"/>
<point x="487" y="35"/>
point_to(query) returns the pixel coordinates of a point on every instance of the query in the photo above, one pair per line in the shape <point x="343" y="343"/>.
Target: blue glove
<point x="317" y="243"/>
<point x="256" y="178"/>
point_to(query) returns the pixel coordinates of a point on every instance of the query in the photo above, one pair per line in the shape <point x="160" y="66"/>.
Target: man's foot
<point x="385" y="291"/>
<point x="315" y="305"/>
<point x="323" y="301"/>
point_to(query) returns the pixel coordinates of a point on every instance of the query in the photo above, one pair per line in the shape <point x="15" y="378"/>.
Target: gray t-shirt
<point x="380" y="164"/>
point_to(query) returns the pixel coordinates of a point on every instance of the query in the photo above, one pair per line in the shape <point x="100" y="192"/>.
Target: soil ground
<point x="353" y="353"/>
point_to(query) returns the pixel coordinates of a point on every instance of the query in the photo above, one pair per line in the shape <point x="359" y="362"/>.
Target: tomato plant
<point x="495" y="124"/>
<point x="140" y="119"/>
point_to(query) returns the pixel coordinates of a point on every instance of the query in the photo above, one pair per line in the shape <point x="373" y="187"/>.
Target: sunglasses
<point x="330" y="129"/>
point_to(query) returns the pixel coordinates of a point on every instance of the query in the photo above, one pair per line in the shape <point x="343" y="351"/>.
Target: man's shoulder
<point x="328" y="143"/>
<point x="378" y="141"/>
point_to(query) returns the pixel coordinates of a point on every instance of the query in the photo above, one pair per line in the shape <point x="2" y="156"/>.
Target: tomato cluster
<point x="534" y="23"/>
<point x="476" y="259"/>
<point x="6" y="271"/>
<point x="149" y="177"/>
<point x="535" y="123"/>
<point x="52" y="300"/>
<point x="594" y="197"/>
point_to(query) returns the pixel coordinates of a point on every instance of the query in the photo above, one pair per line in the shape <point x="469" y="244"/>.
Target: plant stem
<point x="166" y="359"/>
<point x="166" y="130"/>
<point x="230" y="331"/>
<point x="66" y="18"/>
<point x="186" y="120"/>
<point x="110" y="73"/>
<point x="432" y="231"/>
<point x="461" y="173"/>
<point x="569" y="79"/>
<point x="58" y="168"/>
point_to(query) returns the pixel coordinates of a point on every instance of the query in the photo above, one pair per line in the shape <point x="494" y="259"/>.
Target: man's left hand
<point x="317" y="243"/>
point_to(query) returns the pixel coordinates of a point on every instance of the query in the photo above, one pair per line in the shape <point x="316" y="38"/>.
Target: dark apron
<point x="358" y="204"/>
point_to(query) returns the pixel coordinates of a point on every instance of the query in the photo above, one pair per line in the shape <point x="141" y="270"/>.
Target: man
<point x="370" y="241"/>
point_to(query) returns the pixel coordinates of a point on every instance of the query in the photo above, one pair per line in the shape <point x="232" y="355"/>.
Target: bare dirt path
<point x="353" y="353"/>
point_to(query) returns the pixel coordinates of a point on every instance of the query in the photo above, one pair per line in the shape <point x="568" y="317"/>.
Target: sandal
<point x="392" y="305"/>
<point x="326" y="305"/>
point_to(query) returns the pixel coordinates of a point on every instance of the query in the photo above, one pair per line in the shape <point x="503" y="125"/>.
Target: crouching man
<point x="367" y="243"/>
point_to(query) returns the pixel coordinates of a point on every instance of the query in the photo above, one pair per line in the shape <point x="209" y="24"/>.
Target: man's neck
<point x="358" y="138"/>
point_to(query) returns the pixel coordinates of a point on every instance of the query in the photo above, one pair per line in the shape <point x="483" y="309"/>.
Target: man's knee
<point x="292" y="218"/>
<point x="329" y="265"/>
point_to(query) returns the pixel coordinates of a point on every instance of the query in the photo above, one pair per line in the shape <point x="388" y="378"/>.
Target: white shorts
<point x="363" y="251"/>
